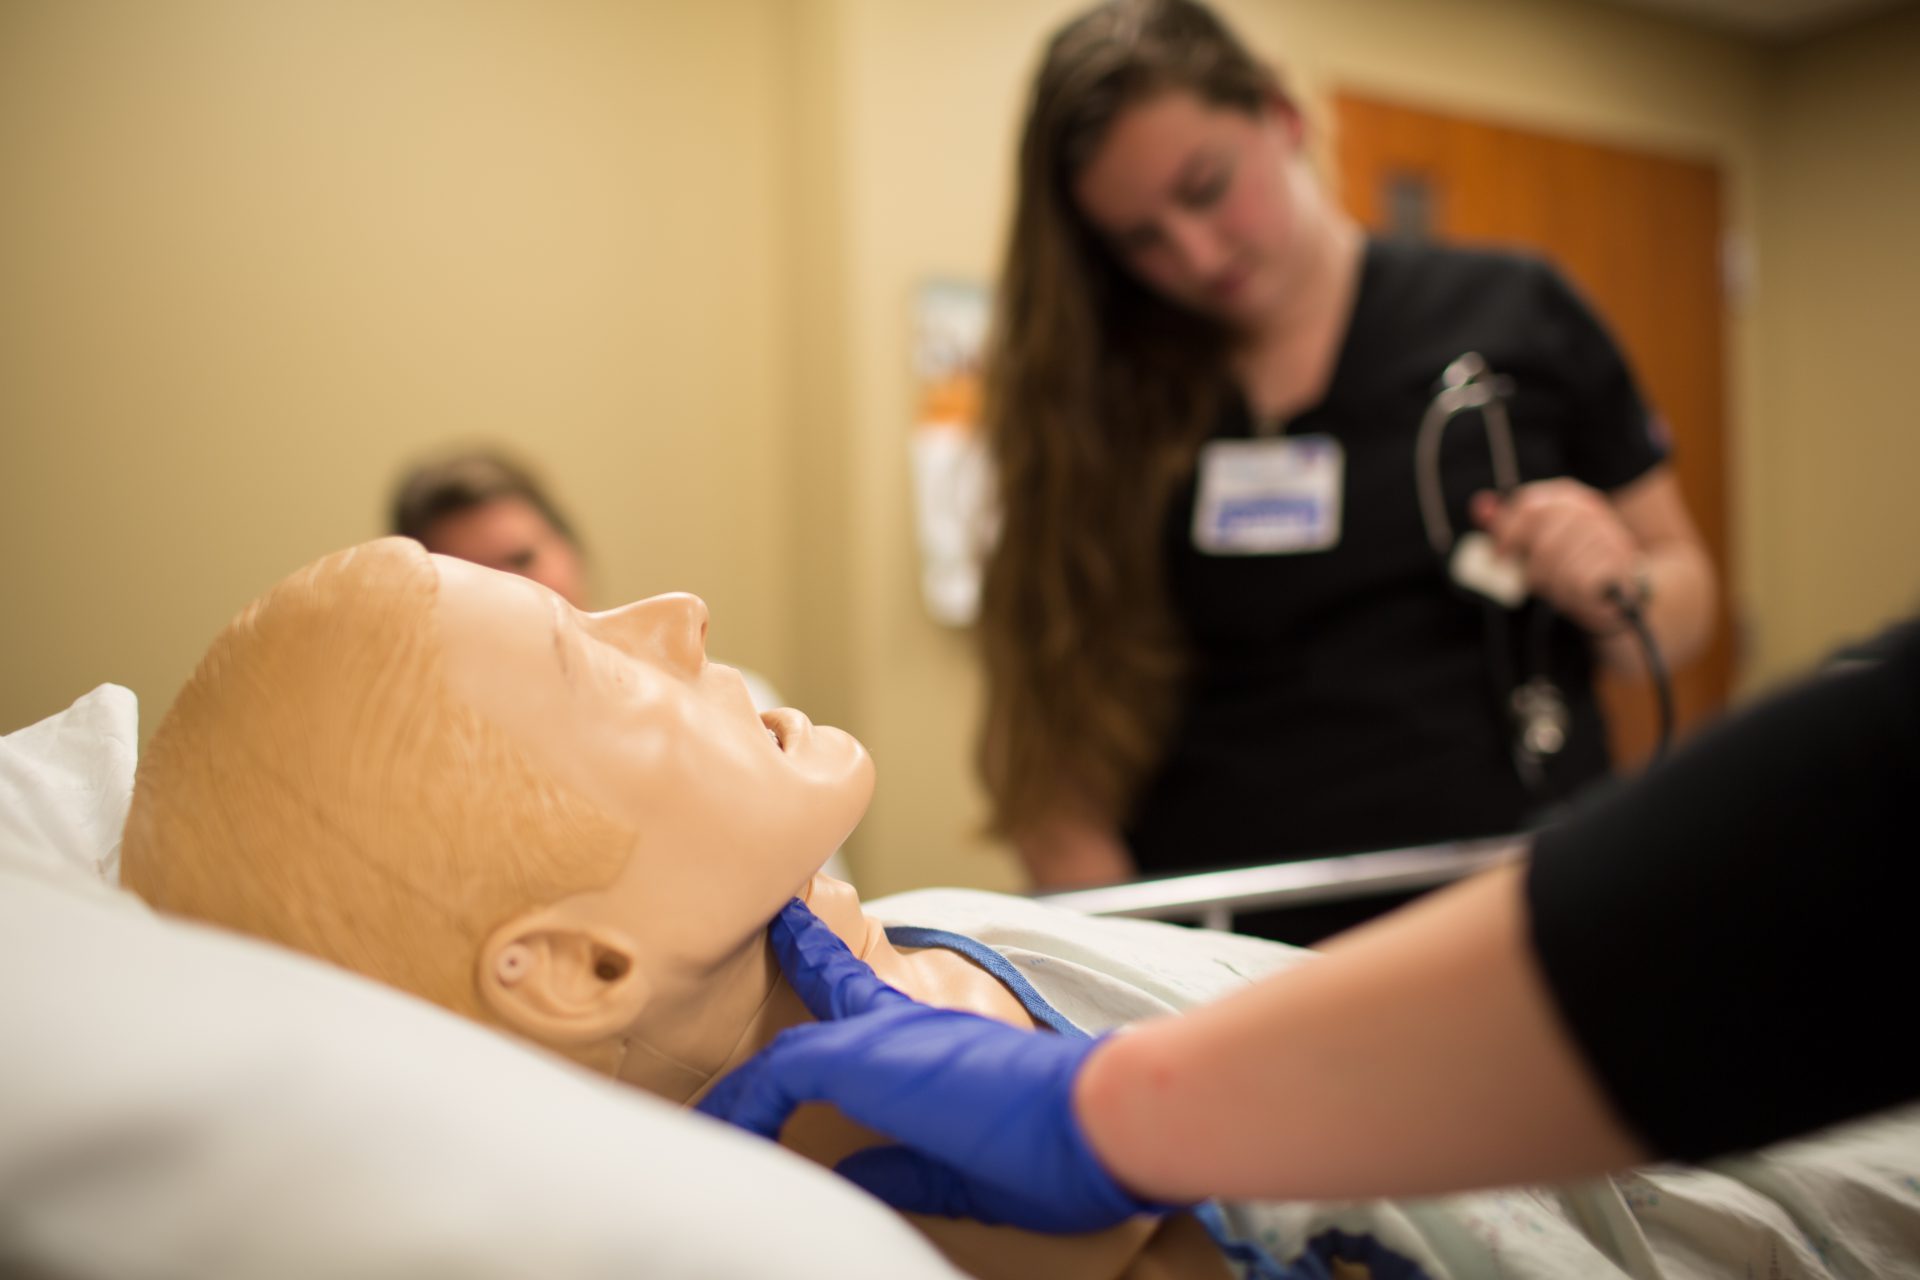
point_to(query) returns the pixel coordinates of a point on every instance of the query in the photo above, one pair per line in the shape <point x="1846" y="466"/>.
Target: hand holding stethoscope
<point x="1558" y="540"/>
<point x="1573" y="547"/>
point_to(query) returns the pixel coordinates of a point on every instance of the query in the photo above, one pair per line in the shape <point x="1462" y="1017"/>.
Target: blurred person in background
<point x="1190" y="327"/>
<point x="478" y="505"/>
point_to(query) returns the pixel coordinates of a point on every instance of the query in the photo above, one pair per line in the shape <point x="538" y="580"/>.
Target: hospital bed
<point x="176" y="1101"/>
<point x="1212" y="899"/>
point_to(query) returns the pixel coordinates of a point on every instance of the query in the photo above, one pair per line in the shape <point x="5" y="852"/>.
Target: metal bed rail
<point x="1213" y="898"/>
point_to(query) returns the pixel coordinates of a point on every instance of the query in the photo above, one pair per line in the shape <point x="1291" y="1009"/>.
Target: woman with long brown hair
<point x="1216" y="630"/>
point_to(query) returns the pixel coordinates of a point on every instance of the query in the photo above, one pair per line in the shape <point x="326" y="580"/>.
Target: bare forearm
<point x="1420" y="1054"/>
<point x="1680" y="612"/>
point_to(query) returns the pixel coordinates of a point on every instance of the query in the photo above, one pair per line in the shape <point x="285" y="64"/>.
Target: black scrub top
<point x="1728" y="939"/>
<point x="1346" y="699"/>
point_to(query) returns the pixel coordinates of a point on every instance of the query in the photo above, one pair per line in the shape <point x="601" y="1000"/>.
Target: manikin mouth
<point x="788" y="728"/>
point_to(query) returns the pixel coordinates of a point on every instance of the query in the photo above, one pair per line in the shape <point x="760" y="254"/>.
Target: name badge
<point x="1270" y="497"/>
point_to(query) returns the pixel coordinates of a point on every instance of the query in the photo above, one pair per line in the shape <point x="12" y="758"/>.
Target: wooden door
<point x="1640" y="235"/>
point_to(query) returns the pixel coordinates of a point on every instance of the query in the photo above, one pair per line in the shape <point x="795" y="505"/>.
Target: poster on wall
<point x="952" y="476"/>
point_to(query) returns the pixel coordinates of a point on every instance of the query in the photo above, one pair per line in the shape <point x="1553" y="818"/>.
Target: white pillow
<point x="179" y="1101"/>
<point x="64" y="788"/>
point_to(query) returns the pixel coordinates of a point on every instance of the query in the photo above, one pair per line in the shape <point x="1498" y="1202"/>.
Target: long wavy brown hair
<point x="1098" y="395"/>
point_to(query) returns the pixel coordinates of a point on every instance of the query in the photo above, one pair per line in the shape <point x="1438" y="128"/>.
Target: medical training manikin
<point x="569" y="826"/>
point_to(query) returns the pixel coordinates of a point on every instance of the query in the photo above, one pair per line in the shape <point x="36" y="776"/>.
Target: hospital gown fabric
<point x="1843" y="1204"/>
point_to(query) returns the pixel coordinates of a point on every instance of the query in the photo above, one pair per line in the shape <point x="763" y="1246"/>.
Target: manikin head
<point x="448" y="779"/>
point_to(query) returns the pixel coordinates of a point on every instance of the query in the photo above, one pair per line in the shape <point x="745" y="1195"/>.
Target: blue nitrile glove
<point x="984" y="1111"/>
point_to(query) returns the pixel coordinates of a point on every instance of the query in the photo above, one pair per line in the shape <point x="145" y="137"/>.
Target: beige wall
<point x="1836" y="524"/>
<point x="254" y="256"/>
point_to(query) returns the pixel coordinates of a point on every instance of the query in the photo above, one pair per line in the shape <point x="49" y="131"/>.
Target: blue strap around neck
<point x="907" y="935"/>
<point x="1259" y="1264"/>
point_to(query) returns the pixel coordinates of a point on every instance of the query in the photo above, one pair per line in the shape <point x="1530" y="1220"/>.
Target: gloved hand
<point x="984" y="1110"/>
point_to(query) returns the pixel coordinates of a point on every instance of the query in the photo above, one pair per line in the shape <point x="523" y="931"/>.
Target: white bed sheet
<point x="177" y="1101"/>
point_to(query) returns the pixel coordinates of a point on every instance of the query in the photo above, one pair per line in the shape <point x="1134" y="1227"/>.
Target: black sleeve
<point x="1614" y="438"/>
<point x="1729" y="938"/>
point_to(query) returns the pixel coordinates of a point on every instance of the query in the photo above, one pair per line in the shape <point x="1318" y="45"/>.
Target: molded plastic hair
<point x="315" y="785"/>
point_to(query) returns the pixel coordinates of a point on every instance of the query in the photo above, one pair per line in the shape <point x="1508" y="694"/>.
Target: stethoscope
<point x="1534" y="704"/>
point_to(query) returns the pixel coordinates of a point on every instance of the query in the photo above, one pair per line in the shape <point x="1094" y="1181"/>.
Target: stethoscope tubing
<point x="1467" y="384"/>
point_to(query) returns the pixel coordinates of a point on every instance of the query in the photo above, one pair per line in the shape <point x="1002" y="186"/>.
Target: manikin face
<point x="732" y="810"/>
<point x="1200" y="202"/>
<point x="510" y="534"/>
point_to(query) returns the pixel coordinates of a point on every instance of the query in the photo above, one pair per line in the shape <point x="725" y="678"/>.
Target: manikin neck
<point x="935" y="976"/>
<point x="677" y="1051"/>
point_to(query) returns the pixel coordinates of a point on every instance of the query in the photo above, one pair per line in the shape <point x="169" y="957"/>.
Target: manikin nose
<point x="670" y="628"/>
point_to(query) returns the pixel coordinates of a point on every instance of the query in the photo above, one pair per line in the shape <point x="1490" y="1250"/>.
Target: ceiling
<point x="1781" y="20"/>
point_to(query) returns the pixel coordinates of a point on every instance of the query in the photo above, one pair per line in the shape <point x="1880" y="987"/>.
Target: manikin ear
<point x="561" y="981"/>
